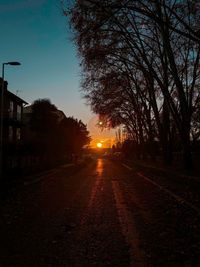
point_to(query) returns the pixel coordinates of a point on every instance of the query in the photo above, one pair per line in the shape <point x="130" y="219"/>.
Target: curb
<point x="176" y="197"/>
<point x="195" y="178"/>
<point x="43" y="174"/>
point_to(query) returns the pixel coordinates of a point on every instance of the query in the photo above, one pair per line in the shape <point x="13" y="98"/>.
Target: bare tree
<point x="157" y="40"/>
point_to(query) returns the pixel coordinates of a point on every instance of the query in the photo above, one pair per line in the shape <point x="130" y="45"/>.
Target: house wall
<point x="12" y="128"/>
<point x="12" y="120"/>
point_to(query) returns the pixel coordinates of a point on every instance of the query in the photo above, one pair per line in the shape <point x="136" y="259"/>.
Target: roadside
<point x="10" y="185"/>
<point x="183" y="184"/>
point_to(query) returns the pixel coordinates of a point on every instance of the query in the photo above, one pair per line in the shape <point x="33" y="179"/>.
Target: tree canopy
<point x="55" y="134"/>
<point x="140" y="62"/>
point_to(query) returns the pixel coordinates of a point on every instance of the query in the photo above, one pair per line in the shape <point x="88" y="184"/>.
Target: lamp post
<point x="1" y="114"/>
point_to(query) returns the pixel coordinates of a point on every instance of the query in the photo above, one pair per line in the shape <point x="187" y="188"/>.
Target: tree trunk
<point x="167" y="150"/>
<point x="187" y="155"/>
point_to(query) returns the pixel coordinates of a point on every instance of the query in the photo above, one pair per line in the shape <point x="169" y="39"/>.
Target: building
<point x="12" y="124"/>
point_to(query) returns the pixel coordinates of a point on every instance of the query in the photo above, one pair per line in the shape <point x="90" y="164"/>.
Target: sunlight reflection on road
<point x="99" y="167"/>
<point x="96" y="187"/>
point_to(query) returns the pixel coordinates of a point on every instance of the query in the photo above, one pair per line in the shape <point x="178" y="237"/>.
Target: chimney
<point x="5" y="84"/>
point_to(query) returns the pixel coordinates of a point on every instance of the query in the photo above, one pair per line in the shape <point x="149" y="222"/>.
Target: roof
<point x="28" y="109"/>
<point x="60" y="114"/>
<point x="14" y="97"/>
<point x="10" y="94"/>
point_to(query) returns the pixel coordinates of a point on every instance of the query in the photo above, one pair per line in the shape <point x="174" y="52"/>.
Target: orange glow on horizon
<point x="99" y="145"/>
<point x="106" y="143"/>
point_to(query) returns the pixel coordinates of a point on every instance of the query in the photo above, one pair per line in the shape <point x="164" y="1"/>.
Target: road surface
<point x="102" y="215"/>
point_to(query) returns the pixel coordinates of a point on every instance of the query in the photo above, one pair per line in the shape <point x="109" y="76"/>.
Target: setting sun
<point x="99" y="144"/>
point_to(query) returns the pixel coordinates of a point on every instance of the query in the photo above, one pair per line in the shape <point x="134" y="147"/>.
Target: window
<point x="10" y="133"/>
<point x="18" y="134"/>
<point x="11" y="110"/>
<point x="19" y="113"/>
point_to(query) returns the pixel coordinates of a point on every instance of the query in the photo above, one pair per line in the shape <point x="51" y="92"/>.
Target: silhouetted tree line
<point x="51" y="136"/>
<point x="140" y="64"/>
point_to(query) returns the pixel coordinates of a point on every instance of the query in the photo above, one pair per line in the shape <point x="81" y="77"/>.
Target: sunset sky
<point x="34" y="33"/>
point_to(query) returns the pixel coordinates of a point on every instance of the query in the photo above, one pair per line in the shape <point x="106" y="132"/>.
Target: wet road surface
<point x="101" y="215"/>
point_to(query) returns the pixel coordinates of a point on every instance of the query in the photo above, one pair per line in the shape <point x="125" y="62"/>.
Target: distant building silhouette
<point x="27" y="132"/>
<point x="28" y="110"/>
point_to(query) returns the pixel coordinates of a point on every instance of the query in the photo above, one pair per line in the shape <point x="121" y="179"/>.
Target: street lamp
<point x="14" y="63"/>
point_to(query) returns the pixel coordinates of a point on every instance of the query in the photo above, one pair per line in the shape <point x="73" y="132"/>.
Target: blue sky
<point x="35" y="33"/>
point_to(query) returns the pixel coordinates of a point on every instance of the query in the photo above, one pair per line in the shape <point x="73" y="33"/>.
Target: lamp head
<point x="13" y="63"/>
